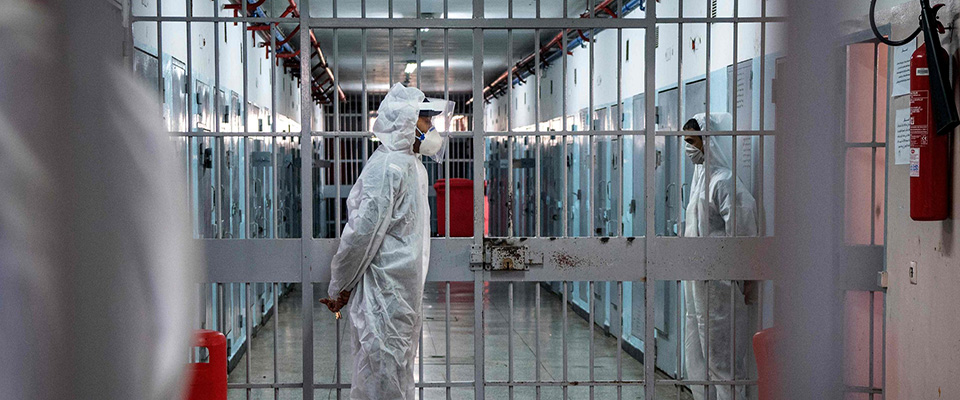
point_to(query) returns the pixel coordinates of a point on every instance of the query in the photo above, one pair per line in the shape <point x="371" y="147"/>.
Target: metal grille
<point x="590" y="189"/>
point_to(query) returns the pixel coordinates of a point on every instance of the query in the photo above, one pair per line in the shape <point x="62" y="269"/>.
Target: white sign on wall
<point x="901" y="68"/>
<point x="901" y="138"/>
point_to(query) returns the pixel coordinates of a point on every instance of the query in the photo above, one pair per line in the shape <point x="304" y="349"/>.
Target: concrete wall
<point x="922" y="320"/>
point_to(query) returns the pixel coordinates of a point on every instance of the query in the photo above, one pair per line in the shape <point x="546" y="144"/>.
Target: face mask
<point x="430" y="142"/>
<point x="694" y="153"/>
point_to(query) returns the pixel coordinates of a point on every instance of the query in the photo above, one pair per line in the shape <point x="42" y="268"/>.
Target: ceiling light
<point x="411" y="66"/>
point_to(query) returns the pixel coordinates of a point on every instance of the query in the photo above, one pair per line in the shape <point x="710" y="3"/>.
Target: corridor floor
<point x="496" y="310"/>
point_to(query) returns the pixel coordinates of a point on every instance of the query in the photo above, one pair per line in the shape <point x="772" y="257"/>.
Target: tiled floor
<point x="289" y="346"/>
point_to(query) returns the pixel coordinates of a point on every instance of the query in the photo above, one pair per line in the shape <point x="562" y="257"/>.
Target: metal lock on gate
<point x="508" y="258"/>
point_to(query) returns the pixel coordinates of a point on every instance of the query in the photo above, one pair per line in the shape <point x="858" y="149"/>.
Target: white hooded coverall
<point x="709" y="214"/>
<point x="384" y="254"/>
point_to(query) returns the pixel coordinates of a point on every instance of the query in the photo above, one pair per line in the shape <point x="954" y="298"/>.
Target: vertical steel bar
<point x="873" y="159"/>
<point x="160" y="83"/>
<point x="679" y="330"/>
<point x="681" y="89"/>
<point x="273" y="77"/>
<point x="592" y="143"/>
<point x="649" y="85"/>
<point x="733" y="337"/>
<point x="190" y="78"/>
<point x="538" y="140"/>
<point x="446" y="333"/>
<point x="478" y="219"/>
<point x="871" y="343"/>
<point x="566" y="379"/>
<point x="245" y="100"/>
<point x="511" y="191"/>
<point x="619" y="333"/>
<point x="446" y="127"/>
<point x="706" y="344"/>
<point x="883" y="341"/>
<point x="761" y="215"/>
<point x="218" y="183"/>
<point x="420" y="362"/>
<point x="216" y="78"/>
<point x="618" y="168"/>
<point x="276" y="336"/>
<point x="274" y="162"/>
<point x="510" y="341"/>
<point x="248" y="331"/>
<point x="221" y="303"/>
<point x="337" y="126"/>
<point x="736" y="127"/>
<point x="536" y="327"/>
<point x="591" y="312"/>
<point x="478" y="341"/>
<point x="566" y="164"/>
<point x="337" y="374"/>
<point x="202" y="306"/>
<point x="306" y="206"/>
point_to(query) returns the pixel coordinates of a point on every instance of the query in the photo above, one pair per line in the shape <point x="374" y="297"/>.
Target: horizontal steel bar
<point x="361" y="134"/>
<point x="581" y="258"/>
<point x="232" y="134"/>
<point x="450" y="258"/>
<point x="470" y="23"/>
<point x="718" y="133"/>
<point x="707" y="383"/>
<point x="170" y="18"/>
<point x="862" y="389"/>
<point x="252" y="260"/>
<point x="749" y="258"/>
<point x="626" y="133"/>
<point x="869" y="145"/>
<point x="418" y="384"/>
<point x="561" y="383"/>
<point x="264" y="385"/>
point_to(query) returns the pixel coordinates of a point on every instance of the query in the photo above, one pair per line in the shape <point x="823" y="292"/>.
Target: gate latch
<point x="509" y="257"/>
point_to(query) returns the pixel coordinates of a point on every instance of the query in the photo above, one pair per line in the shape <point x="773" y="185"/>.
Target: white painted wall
<point x="923" y="321"/>
<point x="633" y="68"/>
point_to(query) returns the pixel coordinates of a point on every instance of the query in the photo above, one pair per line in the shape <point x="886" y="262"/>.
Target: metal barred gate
<point x="579" y="185"/>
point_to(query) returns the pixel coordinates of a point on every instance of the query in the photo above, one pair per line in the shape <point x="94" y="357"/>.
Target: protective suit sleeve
<point x="725" y="199"/>
<point x="365" y="229"/>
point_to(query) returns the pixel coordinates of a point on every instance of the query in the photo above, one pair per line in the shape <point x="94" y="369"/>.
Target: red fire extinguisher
<point x="929" y="152"/>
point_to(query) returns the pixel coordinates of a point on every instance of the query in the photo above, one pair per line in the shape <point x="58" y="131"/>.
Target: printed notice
<point x="901" y="138"/>
<point x="901" y="68"/>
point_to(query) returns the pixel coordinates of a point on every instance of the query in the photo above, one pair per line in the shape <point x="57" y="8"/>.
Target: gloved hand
<point x="336" y="304"/>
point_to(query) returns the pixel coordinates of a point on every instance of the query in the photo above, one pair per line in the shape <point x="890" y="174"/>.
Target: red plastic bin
<point x="461" y="207"/>
<point x="208" y="380"/>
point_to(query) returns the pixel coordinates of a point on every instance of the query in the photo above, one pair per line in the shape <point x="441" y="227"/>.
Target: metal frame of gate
<point x="648" y="258"/>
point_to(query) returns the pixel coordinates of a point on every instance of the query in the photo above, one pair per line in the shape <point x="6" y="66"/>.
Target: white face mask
<point x="430" y="142"/>
<point x="695" y="154"/>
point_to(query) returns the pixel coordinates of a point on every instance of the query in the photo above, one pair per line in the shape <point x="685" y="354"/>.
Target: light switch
<point x="913" y="272"/>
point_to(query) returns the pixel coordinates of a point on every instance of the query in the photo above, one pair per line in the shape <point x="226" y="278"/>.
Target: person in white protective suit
<point x="707" y="303"/>
<point x="381" y="265"/>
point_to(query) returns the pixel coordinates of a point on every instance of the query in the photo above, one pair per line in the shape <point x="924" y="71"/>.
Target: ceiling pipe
<point x="553" y="49"/>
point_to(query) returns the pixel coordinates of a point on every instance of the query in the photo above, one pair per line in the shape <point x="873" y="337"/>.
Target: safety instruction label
<point x="914" y="162"/>
<point x="901" y="68"/>
<point x="902" y="137"/>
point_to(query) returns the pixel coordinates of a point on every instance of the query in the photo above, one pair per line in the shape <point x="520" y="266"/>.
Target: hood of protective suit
<point x="397" y="116"/>
<point x="712" y="197"/>
<point x="719" y="121"/>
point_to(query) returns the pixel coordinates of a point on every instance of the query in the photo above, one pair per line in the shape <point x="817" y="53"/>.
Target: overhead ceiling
<point x="349" y="61"/>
